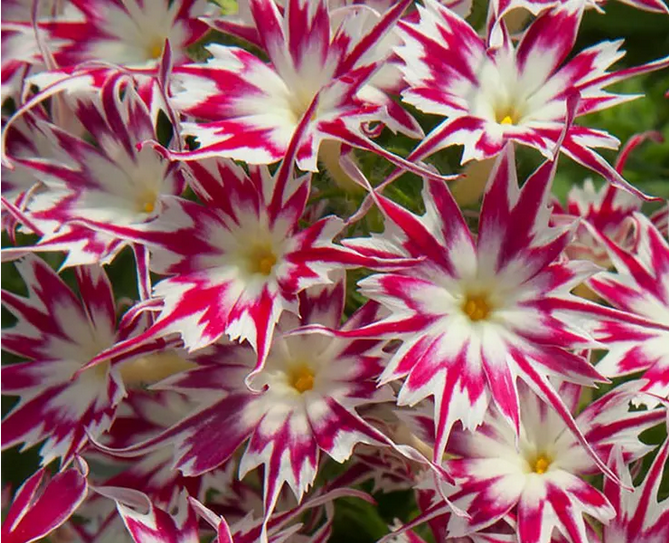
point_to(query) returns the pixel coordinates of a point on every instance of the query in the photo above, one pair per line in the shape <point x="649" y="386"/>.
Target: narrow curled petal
<point x="148" y="523"/>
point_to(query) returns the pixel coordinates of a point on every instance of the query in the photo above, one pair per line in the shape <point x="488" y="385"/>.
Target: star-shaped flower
<point x="538" y="476"/>
<point x="239" y="261"/>
<point x="318" y="69"/>
<point x="637" y="336"/>
<point x="640" y="517"/>
<point x="490" y="96"/>
<point x="129" y="33"/>
<point x="607" y="209"/>
<point x="304" y="402"/>
<point x="476" y="314"/>
<point x="112" y="181"/>
<point x="58" y="333"/>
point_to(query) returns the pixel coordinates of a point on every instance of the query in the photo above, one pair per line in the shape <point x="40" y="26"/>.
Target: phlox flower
<point x="241" y="23"/>
<point x="101" y="522"/>
<point x="58" y="333"/>
<point x="499" y="8"/>
<point x="359" y="17"/>
<point x="142" y="415"/>
<point x="640" y="518"/>
<point x="86" y="38"/>
<point x="239" y="261"/>
<point x="25" y="138"/>
<point x="129" y="33"/>
<point x="428" y="496"/>
<point x="407" y="536"/>
<point x="288" y="525"/>
<point x="490" y="96"/>
<point x="537" y="476"/>
<point x="23" y="43"/>
<point x="303" y="402"/>
<point x="20" y="53"/>
<point x="477" y="314"/>
<point x="147" y="523"/>
<point x="638" y="339"/>
<point x="606" y="209"/>
<point x="430" y="504"/>
<point x="388" y="470"/>
<point x="112" y="182"/>
<point x="252" y="109"/>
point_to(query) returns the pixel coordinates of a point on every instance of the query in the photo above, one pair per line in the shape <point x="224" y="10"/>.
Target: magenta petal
<point x="149" y="524"/>
<point x="640" y="517"/>
<point x="35" y="513"/>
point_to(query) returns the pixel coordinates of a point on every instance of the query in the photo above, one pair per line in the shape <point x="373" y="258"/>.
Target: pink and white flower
<point x="129" y="33"/>
<point x="476" y="314"/>
<point x="359" y="16"/>
<point x="25" y="138"/>
<point x="253" y="109"/>
<point x="490" y="96"/>
<point x="640" y="518"/>
<point x="537" y="475"/>
<point x="147" y="523"/>
<point x="143" y="415"/>
<point x="606" y="209"/>
<point x="61" y="404"/>
<point x="25" y="44"/>
<point x="58" y="333"/>
<point x="20" y="52"/>
<point x="465" y="369"/>
<point x="111" y="182"/>
<point x="303" y="402"/>
<point x="638" y="336"/>
<point x="499" y="8"/>
<point x="401" y="535"/>
<point x="237" y="263"/>
<point x="282" y="526"/>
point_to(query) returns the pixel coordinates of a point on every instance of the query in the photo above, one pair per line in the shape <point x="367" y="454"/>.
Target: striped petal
<point x="40" y="506"/>
<point x="59" y="333"/>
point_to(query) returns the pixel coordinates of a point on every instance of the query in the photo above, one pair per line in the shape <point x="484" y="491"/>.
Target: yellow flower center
<point x="146" y="202"/>
<point x="156" y="48"/>
<point x="507" y="115"/>
<point x="541" y="464"/>
<point x="476" y="307"/>
<point x="261" y="259"/>
<point x="301" y="378"/>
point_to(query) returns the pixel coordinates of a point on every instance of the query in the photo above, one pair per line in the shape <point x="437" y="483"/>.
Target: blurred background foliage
<point x="646" y="37"/>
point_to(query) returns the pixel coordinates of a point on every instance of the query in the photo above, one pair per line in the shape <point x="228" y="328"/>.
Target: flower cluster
<point x="230" y="304"/>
